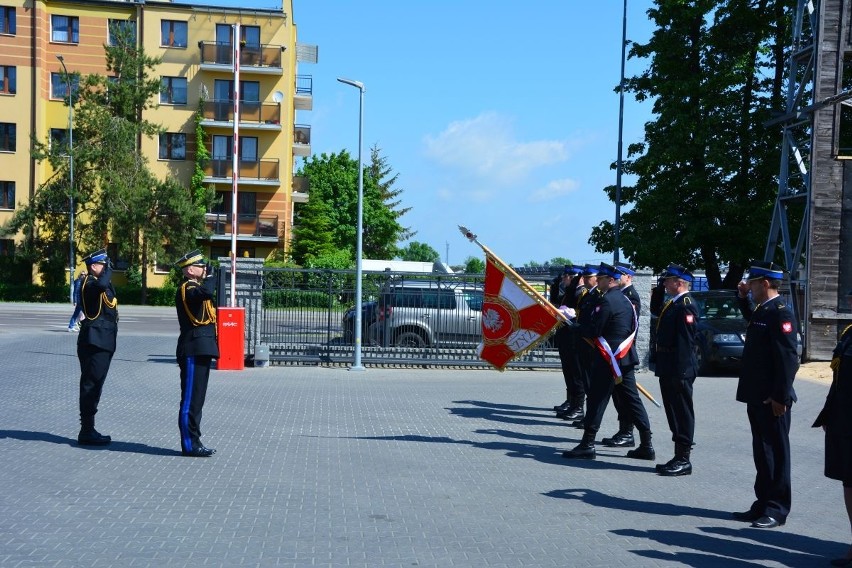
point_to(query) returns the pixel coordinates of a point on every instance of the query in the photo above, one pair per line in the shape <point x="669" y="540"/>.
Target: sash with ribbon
<point x="613" y="357"/>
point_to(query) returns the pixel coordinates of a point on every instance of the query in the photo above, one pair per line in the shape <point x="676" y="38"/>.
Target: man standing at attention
<point x="196" y="348"/>
<point x="96" y="342"/>
<point x="769" y="366"/>
<point x="677" y="367"/>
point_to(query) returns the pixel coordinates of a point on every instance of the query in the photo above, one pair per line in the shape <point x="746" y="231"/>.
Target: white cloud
<point x="485" y="148"/>
<point x="554" y="190"/>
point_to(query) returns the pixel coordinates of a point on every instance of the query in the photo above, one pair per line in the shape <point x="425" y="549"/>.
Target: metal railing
<point x="266" y="170"/>
<point x="251" y="112"/>
<point x="247" y="225"/>
<point x="216" y="53"/>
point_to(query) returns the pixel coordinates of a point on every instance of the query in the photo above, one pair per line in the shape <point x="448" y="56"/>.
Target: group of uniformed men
<point x="196" y="346"/>
<point x="598" y="355"/>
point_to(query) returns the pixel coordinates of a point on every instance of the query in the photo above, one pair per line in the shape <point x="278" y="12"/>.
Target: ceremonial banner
<point x="515" y="317"/>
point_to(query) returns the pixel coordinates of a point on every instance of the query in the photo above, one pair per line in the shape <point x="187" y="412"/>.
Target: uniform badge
<point x="690" y="318"/>
<point x="597" y="309"/>
<point x="787" y="327"/>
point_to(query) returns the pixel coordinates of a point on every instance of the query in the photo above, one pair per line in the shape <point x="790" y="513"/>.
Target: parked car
<point x="368" y="318"/>
<point x="721" y="330"/>
<point x="422" y="313"/>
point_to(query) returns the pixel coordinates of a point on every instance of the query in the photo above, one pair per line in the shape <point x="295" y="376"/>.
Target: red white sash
<point x="612" y="358"/>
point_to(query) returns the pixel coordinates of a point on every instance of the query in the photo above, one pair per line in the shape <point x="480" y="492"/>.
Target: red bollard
<point x="231" y="326"/>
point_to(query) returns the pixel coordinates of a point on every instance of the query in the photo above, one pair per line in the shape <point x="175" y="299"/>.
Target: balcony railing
<point x="214" y="53"/>
<point x="251" y="112"/>
<point x="304" y="97"/>
<point x="247" y="225"/>
<point x="249" y="169"/>
<point x="301" y="134"/>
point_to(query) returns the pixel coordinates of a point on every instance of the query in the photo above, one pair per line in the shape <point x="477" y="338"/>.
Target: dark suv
<point x="421" y="313"/>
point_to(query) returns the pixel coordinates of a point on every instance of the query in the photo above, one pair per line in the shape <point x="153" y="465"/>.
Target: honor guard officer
<point x="566" y="343"/>
<point x="196" y="348"/>
<point x="769" y="365"/>
<point x="612" y="329"/>
<point x="96" y="342"/>
<point x="624" y="437"/>
<point x="586" y="298"/>
<point x="677" y="367"/>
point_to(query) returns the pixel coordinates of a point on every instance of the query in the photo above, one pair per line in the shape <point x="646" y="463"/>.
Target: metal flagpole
<point x="236" y="166"/>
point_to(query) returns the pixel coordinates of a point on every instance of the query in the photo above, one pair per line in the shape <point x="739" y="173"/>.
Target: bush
<point x="131" y="295"/>
<point x="296" y="299"/>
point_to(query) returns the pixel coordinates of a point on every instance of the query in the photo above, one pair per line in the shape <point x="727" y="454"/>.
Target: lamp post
<point x="620" y="167"/>
<point x="71" y="258"/>
<point x="359" y="228"/>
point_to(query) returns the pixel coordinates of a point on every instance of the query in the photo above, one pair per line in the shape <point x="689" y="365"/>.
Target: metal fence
<point x="408" y="319"/>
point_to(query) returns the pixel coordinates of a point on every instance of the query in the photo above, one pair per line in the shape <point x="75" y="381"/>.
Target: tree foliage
<point x="474" y="265"/>
<point x="419" y="252"/>
<point x="116" y="196"/>
<point x="332" y="210"/>
<point x="706" y="169"/>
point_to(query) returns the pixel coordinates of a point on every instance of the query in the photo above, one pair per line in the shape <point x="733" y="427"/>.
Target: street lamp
<point x="620" y="166"/>
<point x="70" y="177"/>
<point x="359" y="228"/>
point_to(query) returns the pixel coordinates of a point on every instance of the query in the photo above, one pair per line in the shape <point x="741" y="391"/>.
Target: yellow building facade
<point x="196" y="44"/>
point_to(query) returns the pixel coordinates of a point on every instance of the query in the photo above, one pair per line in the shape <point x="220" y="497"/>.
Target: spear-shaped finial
<point x="468" y="234"/>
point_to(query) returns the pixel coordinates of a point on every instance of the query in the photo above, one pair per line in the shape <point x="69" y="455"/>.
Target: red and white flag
<point x="515" y="317"/>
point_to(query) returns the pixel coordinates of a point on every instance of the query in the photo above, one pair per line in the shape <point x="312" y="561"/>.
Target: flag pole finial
<point x="468" y="234"/>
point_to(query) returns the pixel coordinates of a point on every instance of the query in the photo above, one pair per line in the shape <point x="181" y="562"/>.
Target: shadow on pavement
<point x="115" y="446"/>
<point x="599" y="499"/>
<point x="508" y="413"/>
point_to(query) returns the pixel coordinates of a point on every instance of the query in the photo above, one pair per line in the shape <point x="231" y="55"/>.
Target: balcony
<point x="300" y="189"/>
<point x="253" y="115"/>
<point x="249" y="226"/>
<point x="304" y="99"/>
<point x="301" y="140"/>
<point x="262" y="59"/>
<point x="252" y="172"/>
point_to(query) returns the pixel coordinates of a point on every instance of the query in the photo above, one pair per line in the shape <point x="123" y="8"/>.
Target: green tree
<point x="312" y="233"/>
<point x="474" y="265"/>
<point x="706" y="169"/>
<point x="334" y="182"/>
<point x="420" y="252"/>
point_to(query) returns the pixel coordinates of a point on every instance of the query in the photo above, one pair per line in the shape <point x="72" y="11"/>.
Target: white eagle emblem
<point x="492" y="320"/>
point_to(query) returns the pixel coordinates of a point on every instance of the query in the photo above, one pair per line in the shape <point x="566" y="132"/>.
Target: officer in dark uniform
<point x="566" y="342"/>
<point x="612" y="329"/>
<point x="196" y="347"/>
<point x="586" y="298"/>
<point x="769" y="365"/>
<point x="96" y="342"/>
<point x="624" y="437"/>
<point x="676" y="366"/>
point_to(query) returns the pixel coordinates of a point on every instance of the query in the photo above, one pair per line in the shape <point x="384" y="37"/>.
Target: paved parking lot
<point x="389" y="467"/>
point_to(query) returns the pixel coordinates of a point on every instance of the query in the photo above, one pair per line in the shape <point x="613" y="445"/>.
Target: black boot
<point x="585" y="450"/>
<point x="574" y="411"/>
<point x="88" y="436"/>
<point x="562" y="407"/>
<point x="679" y="465"/>
<point x="645" y="451"/>
<point x="623" y="438"/>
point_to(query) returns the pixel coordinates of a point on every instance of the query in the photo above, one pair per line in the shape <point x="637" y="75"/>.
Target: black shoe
<point x="676" y="468"/>
<point x="620" y="440"/>
<point x="766" y="522"/>
<point x="564" y="406"/>
<point x="643" y="453"/>
<point x="92" y="438"/>
<point x="841" y="562"/>
<point x="747" y="516"/>
<point x="579" y="424"/>
<point x="199" y="452"/>
<point x="581" y="452"/>
<point x="572" y="413"/>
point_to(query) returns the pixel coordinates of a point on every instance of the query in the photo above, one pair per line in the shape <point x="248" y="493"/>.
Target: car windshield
<point x="719" y="308"/>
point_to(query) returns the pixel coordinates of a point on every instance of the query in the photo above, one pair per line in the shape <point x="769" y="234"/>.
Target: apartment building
<point x="196" y="44"/>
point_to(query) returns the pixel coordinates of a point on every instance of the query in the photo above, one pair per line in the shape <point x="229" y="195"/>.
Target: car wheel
<point x="700" y="358"/>
<point x="410" y="339"/>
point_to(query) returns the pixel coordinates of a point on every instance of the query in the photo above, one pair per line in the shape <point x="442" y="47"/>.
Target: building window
<point x="223" y="148"/>
<point x="119" y="29"/>
<point x="8" y="79"/>
<point x="7" y="195"/>
<point x="65" y="29"/>
<point x="59" y="140"/>
<point x="173" y="90"/>
<point x="7" y="20"/>
<point x="59" y="85"/>
<point x="246" y="203"/>
<point x="173" y="33"/>
<point x="7" y="136"/>
<point x="173" y="146"/>
<point x="7" y="247"/>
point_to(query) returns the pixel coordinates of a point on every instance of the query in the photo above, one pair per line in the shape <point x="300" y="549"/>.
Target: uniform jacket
<point x="631" y="294"/>
<point x="612" y="318"/>
<point x="835" y="415"/>
<point x="770" y="361"/>
<point x="676" y="336"/>
<point x="197" y="317"/>
<point x="100" y="307"/>
<point x="587" y="299"/>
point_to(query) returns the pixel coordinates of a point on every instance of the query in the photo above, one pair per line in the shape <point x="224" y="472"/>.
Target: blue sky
<point x="497" y="115"/>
